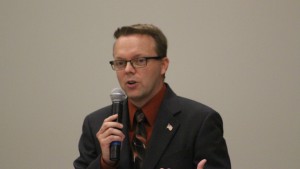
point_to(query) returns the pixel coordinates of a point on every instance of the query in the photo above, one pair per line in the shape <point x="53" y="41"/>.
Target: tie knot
<point x="139" y="116"/>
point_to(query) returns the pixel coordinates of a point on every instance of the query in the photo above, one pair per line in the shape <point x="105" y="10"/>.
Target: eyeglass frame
<point x="133" y="63"/>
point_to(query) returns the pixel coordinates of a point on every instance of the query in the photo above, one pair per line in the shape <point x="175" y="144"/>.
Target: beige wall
<point x="240" y="57"/>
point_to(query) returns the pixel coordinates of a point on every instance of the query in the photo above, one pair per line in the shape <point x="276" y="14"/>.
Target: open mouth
<point x="131" y="82"/>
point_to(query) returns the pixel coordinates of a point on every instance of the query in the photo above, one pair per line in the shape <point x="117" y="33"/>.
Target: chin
<point x="133" y="96"/>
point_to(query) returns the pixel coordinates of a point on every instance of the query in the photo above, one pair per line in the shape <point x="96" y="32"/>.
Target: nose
<point x="129" y="67"/>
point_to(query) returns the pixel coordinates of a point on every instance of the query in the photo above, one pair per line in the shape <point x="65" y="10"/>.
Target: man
<point x="159" y="129"/>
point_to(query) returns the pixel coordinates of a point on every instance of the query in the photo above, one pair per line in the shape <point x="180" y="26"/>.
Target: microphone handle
<point x="115" y="146"/>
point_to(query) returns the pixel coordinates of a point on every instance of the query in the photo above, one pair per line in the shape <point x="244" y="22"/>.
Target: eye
<point x="120" y="63"/>
<point x="140" y="61"/>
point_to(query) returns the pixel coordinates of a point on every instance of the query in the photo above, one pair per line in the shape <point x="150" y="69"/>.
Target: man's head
<point x="140" y="61"/>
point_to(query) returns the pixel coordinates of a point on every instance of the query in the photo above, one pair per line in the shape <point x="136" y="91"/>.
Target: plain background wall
<point x="241" y="57"/>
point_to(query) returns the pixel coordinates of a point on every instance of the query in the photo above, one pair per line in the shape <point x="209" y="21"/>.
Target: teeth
<point x="131" y="82"/>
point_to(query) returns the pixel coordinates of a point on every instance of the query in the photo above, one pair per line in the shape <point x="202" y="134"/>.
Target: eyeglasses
<point x="136" y="63"/>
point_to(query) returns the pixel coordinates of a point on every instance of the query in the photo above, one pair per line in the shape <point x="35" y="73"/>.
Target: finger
<point x="111" y="118"/>
<point x="110" y="131"/>
<point x="110" y="122"/>
<point x="201" y="164"/>
<point x="111" y="138"/>
<point x="107" y="125"/>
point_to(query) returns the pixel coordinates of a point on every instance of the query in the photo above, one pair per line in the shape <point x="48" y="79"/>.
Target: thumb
<point x="201" y="164"/>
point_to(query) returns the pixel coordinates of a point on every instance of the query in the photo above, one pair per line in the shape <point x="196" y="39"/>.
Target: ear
<point x="164" y="65"/>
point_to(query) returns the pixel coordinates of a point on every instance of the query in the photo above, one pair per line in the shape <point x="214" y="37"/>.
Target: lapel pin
<point x="169" y="127"/>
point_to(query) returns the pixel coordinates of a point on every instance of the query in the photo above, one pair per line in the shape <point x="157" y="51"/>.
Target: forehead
<point x="135" y="44"/>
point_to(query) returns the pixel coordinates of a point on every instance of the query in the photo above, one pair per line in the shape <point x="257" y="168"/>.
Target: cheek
<point x="154" y="74"/>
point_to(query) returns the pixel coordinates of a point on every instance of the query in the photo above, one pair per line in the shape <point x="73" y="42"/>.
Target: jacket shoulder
<point x="95" y="119"/>
<point x="189" y="103"/>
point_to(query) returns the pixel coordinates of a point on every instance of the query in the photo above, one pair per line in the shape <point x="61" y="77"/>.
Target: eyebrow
<point x="134" y="57"/>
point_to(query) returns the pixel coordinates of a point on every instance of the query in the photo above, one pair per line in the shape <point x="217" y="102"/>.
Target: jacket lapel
<point x="165" y="128"/>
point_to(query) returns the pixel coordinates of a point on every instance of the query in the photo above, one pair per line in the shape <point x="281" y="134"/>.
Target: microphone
<point x="117" y="97"/>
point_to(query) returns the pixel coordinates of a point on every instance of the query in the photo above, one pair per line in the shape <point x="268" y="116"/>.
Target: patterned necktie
<point x="139" y="139"/>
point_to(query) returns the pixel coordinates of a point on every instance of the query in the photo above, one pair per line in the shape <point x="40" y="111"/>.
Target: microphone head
<point x="117" y="95"/>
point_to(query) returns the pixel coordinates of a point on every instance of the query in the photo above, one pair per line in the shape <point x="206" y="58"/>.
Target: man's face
<point x="139" y="84"/>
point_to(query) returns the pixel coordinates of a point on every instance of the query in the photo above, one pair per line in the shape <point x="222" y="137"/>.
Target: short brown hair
<point x="146" y="29"/>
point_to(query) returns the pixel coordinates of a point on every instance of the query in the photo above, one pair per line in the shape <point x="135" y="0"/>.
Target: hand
<point x="201" y="164"/>
<point x="110" y="131"/>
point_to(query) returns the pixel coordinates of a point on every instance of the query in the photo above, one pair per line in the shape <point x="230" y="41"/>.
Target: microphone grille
<point x="117" y="94"/>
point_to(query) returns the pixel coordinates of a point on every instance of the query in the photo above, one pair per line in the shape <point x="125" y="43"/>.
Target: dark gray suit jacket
<point x="196" y="133"/>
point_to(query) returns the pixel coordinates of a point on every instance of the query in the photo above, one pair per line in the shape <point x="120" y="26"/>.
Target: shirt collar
<point x="150" y="109"/>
